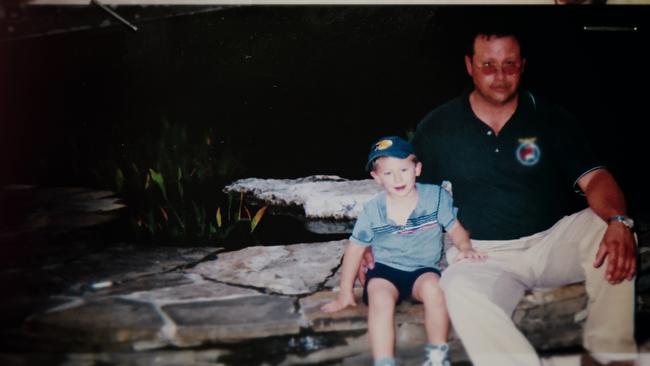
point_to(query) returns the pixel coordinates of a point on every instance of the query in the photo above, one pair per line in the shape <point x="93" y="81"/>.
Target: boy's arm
<point x="351" y="261"/>
<point x="460" y="236"/>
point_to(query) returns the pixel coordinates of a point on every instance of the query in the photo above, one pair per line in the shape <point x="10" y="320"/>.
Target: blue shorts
<point x="402" y="280"/>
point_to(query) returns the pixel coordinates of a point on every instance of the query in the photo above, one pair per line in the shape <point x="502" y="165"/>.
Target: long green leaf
<point x="241" y="203"/>
<point x="218" y="216"/>
<point x="229" y="206"/>
<point x="178" y="218"/>
<point x="257" y="218"/>
<point x="181" y="191"/>
<point x="198" y="214"/>
<point x="159" y="180"/>
<point x="179" y="182"/>
<point x="151" y="223"/>
<point x="164" y="213"/>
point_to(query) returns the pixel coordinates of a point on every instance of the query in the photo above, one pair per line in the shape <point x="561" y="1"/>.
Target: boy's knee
<point x="431" y="290"/>
<point x="380" y="293"/>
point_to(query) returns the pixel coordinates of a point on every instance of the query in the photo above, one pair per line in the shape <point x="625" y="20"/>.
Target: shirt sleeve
<point x="362" y="232"/>
<point x="572" y="148"/>
<point x="446" y="210"/>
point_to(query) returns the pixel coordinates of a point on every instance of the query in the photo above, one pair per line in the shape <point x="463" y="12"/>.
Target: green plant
<point x="224" y="226"/>
<point x="170" y="185"/>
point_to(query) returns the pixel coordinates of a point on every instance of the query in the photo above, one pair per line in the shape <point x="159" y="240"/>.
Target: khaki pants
<point x="481" y="296"/>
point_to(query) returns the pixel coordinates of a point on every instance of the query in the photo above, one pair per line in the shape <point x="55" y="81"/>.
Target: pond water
<point x="279" y="230"/>
<point x="273" y="229"/>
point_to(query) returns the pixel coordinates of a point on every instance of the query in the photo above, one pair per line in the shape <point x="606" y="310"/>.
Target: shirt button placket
<point x="490" y="133"/>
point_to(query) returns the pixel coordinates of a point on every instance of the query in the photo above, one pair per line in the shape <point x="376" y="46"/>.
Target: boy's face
<point x="396" y="176"/>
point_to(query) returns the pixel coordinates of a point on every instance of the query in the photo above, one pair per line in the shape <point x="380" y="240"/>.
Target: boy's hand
<point x="341" y="302"/>
<point x="470" y="254"/>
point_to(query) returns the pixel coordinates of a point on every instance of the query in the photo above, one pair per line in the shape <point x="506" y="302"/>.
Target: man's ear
<point x="468" y="64"/>
<point x="418" y="168"/>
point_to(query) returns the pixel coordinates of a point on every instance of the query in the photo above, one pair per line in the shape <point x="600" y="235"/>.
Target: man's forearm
<point x="604" y="195"/>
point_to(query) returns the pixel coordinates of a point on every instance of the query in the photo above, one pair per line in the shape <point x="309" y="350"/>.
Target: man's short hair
<point x="498" y="30"/>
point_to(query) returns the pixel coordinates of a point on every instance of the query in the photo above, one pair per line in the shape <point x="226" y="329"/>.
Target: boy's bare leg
<point x="382" y="296"/>
<point x="436" y="320"/>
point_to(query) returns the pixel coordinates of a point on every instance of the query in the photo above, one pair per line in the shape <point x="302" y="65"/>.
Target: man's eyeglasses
<point x="507" y="68"/>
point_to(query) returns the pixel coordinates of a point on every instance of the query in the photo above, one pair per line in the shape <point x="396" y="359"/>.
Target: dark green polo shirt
<point x="511" y="185"/>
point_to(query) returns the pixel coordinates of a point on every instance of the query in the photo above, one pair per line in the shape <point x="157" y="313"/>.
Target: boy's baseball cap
<point x="394" y="146"/>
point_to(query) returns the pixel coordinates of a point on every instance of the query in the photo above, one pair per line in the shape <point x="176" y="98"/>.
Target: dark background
<point x="296" y="90"/>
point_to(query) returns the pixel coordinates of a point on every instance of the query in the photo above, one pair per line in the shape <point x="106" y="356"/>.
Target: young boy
<point x="404" y="225"/>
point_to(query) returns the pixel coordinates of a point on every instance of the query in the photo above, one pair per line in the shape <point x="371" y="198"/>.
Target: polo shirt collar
<point x="525" y="104"/>
<point x="419" y="206"/>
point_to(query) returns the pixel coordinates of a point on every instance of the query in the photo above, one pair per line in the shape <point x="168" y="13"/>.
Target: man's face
<point x="496" y="68"/>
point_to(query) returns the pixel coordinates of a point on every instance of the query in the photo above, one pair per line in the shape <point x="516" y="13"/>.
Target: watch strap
<point x="625" y="220"/>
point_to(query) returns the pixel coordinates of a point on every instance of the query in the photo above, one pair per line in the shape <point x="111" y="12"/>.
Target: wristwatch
<point x="625" y="220"/>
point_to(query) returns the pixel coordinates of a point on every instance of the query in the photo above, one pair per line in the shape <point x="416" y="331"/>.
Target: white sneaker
<point x="438" y="355"/>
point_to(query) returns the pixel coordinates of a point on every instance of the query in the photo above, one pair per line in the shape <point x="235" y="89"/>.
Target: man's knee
<point x="456" y="284"/>
<point x="466" y="286"/>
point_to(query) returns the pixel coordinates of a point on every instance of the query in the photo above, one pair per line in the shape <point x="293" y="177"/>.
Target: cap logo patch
<point x="383" y="144"/>
<point x="528" y="152"/>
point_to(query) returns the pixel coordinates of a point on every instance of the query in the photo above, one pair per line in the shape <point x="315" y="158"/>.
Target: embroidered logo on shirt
<point x="528" y="153"/>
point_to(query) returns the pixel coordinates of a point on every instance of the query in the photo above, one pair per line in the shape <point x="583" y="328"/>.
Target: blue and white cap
<point x="393" y="146"/>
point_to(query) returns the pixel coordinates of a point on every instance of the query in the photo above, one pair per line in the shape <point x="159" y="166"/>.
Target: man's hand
<point x="367" y="262"/>
<point x="619" y="247"/>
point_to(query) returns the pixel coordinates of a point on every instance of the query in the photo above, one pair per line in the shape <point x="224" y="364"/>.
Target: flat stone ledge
<point x="233" y="320"/>
<point x="353" y="318"/>
<point x="320" y="196"/>
<point x="289" y="270"/>
<point x="199" y="307"/>
<point x="196" y="291"/>
<point x="108" y="323"/>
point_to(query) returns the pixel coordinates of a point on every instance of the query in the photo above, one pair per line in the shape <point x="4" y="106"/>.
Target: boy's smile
<point x="397" y="176"/>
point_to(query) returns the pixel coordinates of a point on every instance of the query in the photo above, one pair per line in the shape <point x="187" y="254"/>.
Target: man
<point x="510" y="157"/>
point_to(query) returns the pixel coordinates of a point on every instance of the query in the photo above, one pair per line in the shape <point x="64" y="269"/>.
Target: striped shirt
<point x="416" y="244"/>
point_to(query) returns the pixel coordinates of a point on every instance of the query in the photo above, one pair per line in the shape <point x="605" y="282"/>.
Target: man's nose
<point x="499" y="74"/>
